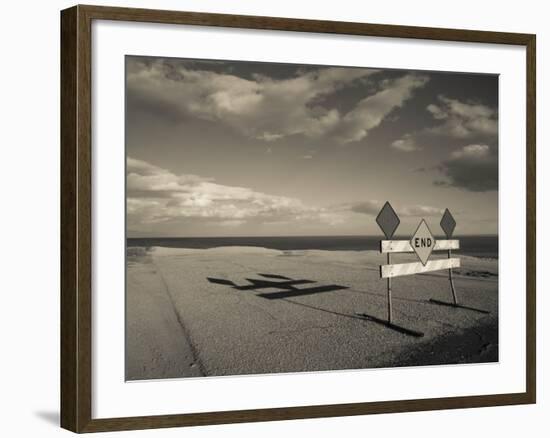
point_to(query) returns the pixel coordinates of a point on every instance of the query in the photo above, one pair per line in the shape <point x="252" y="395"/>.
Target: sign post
<point x="388" y="221"/>
<point x="390" y="311"/>
<point x="448" y="225"/>
<point x="455" y="300"/>
<point x="423" y="243"/>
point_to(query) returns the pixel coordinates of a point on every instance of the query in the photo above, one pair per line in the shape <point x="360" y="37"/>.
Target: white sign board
<point x="423" y="242"/>
<point x="401" y="269"/>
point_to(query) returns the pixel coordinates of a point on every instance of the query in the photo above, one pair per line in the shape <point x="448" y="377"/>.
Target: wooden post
<point x="389" y="293"/>
<point x="455" y="300"/>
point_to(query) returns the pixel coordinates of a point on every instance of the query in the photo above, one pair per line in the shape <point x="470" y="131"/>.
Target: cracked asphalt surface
<point x="234" y="311"/>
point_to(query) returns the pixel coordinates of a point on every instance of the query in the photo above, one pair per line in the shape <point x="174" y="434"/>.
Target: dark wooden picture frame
<point x="76" y="218"/>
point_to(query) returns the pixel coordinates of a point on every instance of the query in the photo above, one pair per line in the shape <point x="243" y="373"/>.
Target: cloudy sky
<point x="225" y="148"/>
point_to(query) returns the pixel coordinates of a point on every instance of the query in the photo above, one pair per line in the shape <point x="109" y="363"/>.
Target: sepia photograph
<point x="289" y="218"/>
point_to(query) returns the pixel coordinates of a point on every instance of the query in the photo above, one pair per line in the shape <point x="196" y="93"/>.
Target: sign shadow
<point x="457" y="306"/>
<point x="391" y="325"/>
<point x="286" y="286"/>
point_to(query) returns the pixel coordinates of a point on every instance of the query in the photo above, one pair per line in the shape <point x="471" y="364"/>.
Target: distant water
<point x="477" y="246"/>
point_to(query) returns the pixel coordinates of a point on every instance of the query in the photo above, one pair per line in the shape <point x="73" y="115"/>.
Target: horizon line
<point x="301" y="235"/>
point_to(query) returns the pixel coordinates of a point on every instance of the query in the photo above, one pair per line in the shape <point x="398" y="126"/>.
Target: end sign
<point x="423" y="242"/>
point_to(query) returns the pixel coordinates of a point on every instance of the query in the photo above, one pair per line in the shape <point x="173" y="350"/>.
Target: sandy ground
<point x="220" y="311"/>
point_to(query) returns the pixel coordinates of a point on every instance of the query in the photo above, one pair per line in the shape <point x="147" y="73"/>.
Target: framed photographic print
<point x="268" y="218"/>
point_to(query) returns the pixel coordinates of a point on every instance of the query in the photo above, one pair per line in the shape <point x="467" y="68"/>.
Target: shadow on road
<point x="391" y="325"/>
<point x="457" y="306"/>
<point x="287" y="286"/>
<point x="304" y="291"/>
<point x="287" y="289"/>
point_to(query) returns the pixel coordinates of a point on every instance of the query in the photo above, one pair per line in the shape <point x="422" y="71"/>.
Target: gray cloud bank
<point x="473" y="168"/>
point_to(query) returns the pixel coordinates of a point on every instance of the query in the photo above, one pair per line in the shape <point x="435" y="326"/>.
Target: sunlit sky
<point x="227" y="148"/>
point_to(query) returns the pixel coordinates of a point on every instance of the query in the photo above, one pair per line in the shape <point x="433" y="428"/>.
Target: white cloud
<point x="157" y="195"/>
<point x="407" y="143"/>
<point x="463" y="120"/>
<point x="457" y="120"/>
<point x="370" y="111"/>
<point x="143" y="176"/>
<point x="472" y="151"/>
<point x="269" y="109"/>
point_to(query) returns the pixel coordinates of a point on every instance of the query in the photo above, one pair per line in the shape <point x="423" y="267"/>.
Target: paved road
<point x="262" y="311"/>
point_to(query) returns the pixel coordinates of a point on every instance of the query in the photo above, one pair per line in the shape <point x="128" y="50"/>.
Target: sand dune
<point x="249" y="310"/>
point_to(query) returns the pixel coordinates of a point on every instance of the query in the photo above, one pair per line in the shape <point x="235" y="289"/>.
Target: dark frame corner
<point x="76" y="172"/>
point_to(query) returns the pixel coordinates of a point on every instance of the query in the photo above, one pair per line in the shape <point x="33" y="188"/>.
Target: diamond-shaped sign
<point x="423" y="242"/>
<point x="387" y="220"/>
<point x="448" y="223"/>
